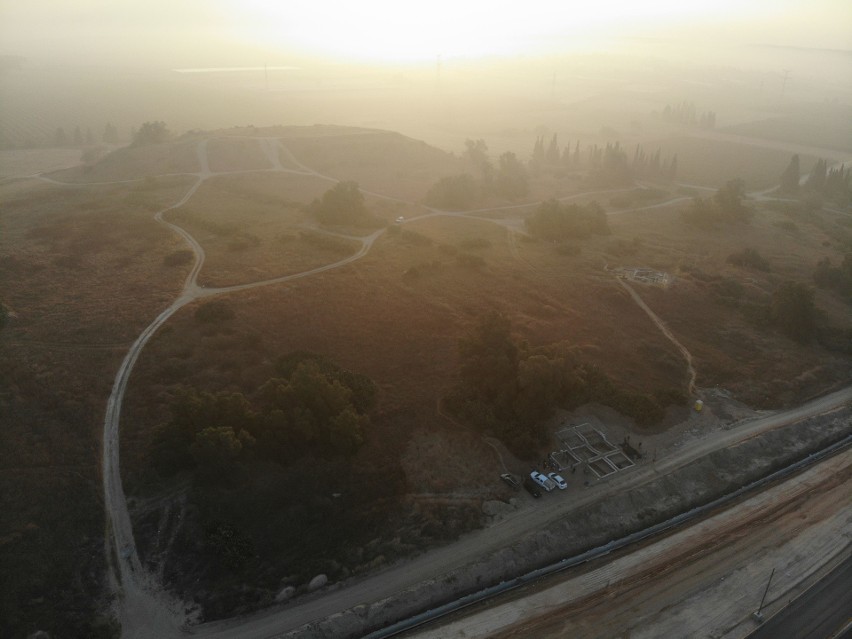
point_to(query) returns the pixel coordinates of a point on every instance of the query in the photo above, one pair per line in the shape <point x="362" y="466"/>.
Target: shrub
<point x="215" y="311"/>
<point x="749" y="258"/>
<point x="792" y="310"/>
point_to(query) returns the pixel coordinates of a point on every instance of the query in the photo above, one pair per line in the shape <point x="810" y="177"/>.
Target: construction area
<point x="645" y="276"/>
<point x="585" y="444"/>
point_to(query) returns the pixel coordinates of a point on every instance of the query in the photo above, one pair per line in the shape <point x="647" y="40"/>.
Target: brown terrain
<point x="86" y="268"/>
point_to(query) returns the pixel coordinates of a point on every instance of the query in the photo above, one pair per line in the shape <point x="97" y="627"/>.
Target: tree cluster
<point x="608" y="165"/>
<point x="792" y="310"/>
<point x="838" y="278"/>
<point x="312" y="407"/>
<point x="455" y="192"/>
<point x="725" y="207"/>
<point x="556" y="222"/>
<point x="343" y="204"/>
<point x="151" y="133"/>
<point x="510" y="389"/>
<point x="685" y="113"/>
<point x="831" y="183"/>
<point x="749" y="258"/>
<point x="78" y="137"/>
<point x="509" y="180"/>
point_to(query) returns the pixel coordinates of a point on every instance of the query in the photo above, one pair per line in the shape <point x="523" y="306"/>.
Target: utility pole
<point x="758" y="615"/>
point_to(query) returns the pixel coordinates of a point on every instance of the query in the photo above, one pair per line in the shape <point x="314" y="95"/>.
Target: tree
<point x="341" y="204"/>
<point x="311" y="411"/>
<point x="453" y="192"/>
<point x="790" y="177"/>
<point x="110" y="135"/>
<point x="749" y="258"/>
<point x="511" y="179"/>
<point x="553" y="151"/>
<point x="729" y="201"/>
<point x="816" y="178"/>
<point x="540" y="387"/>
<point x="476" y="151"/>
<point x="346" y="431"/>
<point x="60" y="138"/>
<point x="489" y="359"/>
<point x="151" y="133"/>
<point x="538" y="155"/>
<point x="216" y="450"/>
<point x="792" y="310"/>
<point x="78" y="136"/>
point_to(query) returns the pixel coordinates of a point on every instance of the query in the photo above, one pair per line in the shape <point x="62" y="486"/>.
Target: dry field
<point x="709" y="162"/>
<point x="82" y="273"/>
<point x="236" y="154"/>
<point x="136" y="163"/>
<point x="85" y="269"/>
<point x="387" y="163"/>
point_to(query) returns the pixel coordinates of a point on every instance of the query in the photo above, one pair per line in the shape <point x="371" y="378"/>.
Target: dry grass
<point x="379" y="161"/>
<point x="249" y="236"/>
<point x="83" y="273"/>
<point x="131" y="163"/>
<point x="709" y="162"/>
<point x="236" y="154"/>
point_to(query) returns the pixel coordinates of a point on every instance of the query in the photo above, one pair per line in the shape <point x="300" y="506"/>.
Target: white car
<point x="557" y="479"/>
<point x="542" y="480"/>
<point x="400" y="219"/>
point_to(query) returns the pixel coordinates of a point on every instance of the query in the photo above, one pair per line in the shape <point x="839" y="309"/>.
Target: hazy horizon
<point x="225" y="33"/>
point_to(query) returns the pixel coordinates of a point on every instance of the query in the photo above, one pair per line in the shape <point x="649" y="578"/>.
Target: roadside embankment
<point x="596" y="524"/>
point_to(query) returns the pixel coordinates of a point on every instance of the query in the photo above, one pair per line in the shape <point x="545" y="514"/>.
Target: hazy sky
<point x="226" y="32"/>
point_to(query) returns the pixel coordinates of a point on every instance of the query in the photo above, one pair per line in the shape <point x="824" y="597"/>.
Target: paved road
<point x="819" y="613"/>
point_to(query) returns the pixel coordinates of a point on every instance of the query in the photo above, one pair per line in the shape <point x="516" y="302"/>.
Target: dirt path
<point x="146" y="610"/>
<point x="436" y="563"/>
<point x="690" y="369"/>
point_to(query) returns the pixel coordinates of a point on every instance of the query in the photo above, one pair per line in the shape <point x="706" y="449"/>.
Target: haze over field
<point x="296" y="297"/>
<point x="439" y="71"/>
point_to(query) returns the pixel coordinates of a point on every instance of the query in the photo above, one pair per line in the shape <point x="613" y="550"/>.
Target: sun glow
<point x="396" y="31"/>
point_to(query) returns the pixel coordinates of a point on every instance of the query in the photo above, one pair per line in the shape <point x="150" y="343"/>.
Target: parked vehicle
<point x="531" y="487"/>
<point x="557" y="479"/>
<point x="511" y="481"/>
<point x="543" y="480"/>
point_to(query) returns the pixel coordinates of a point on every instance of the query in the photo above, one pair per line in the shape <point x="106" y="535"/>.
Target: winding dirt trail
<point x="690" y="369"/>
<point x="143" y="607"/>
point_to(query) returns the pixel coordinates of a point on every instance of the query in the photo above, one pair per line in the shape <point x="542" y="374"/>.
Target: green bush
<point x="749" y="258"/>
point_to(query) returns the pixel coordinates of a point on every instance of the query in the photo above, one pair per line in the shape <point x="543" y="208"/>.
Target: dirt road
<point x="435" y="563"/>
<point x="146" y="610"/>
<point x="690" y="369"/>
<point x="702" y="581"/>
